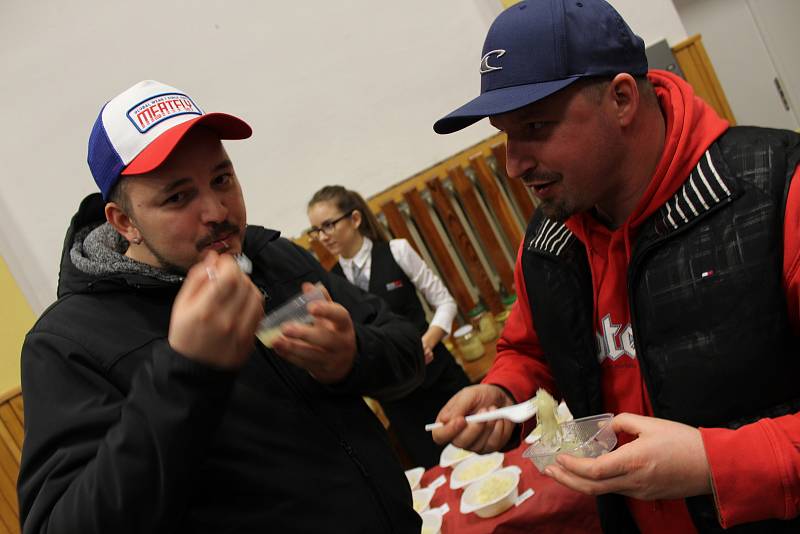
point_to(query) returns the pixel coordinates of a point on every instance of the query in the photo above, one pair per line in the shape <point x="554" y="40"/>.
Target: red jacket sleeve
<point x="755" y="470"/>
<point x="520" y="366"/>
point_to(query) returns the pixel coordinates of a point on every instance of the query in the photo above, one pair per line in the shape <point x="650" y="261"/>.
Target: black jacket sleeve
<point x="97" y="461"/>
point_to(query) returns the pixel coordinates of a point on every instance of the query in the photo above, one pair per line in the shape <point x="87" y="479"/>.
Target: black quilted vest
<point x="708" y="310"/>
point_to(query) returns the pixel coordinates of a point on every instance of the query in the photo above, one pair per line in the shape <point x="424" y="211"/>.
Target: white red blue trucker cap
<point x="138" y="129"/>
<point x="538" y="47"/>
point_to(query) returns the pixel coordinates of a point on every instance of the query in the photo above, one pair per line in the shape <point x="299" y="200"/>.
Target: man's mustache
<point x="539" y="177"/>
<point x="218" y="231"/>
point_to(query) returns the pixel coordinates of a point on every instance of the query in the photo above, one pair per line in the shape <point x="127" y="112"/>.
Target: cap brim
<point x="227" y="126"/>
<point x="498" y="101"/>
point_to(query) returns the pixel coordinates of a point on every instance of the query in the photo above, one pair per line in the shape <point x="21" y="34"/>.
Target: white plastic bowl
<point x="422" y="499"/>
<point x="474" y="468"/>
<point x="451" y="455"/>
<point x="414" y="476"/>
<point x="431" y="522"/>
<point x="589" y="437"/>
<point x="508" y="481"/>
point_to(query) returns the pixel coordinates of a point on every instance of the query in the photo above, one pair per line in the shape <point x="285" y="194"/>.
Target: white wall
<point x="740" y="57"/>
<point x="652" y="20"/>
<point x="337" y="92"/>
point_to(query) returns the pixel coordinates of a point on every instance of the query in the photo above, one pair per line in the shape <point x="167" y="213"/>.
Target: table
<point x="553" y="508"/>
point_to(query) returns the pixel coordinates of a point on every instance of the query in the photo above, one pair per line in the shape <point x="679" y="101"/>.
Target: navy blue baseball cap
<point x="538" y="47"/>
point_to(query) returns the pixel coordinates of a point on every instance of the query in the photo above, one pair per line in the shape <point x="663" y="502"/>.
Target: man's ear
<point x="122" y="222"/>
<point x="625" y="94"/>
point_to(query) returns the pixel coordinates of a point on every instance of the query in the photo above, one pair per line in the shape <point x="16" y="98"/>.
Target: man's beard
<point x="555" y="210"/>
<point x="165" y="263"/>
<point x="217" y="231"/>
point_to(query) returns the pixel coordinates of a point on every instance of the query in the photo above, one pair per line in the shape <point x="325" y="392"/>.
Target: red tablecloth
<point x="553" y="508"/>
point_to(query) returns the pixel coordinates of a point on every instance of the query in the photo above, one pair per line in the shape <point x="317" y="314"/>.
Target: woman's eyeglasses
<point x="327" y="227"/>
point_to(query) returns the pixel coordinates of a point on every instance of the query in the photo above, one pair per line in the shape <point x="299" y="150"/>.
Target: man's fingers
<point x="499" y="435"/>
<point x="308" y="287"/>
<point x="197" y="277"/>
<point x="630" y="423"/>
<point x="462" y="403"/>
<point x="338" y="316"/>
<point x="224" y="292"/>
<point x="482" y="438"/>
<point x="606" y="466"/>
<point x="449" y="431"/>
<point x="582" y="485"/>
<point x="310" y="334"/>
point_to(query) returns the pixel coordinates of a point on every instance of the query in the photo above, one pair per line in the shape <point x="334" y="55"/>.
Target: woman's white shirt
<point x="425" y="281"/>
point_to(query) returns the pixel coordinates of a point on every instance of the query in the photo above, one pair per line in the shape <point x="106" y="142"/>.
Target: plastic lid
<point x="509" y="299"/>
<point x="477" y="310"/>
<point x="463" y="331"/>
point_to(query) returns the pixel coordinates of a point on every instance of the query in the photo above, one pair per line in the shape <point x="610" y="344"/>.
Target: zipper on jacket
<point x="351" y="453"/>
<point x="587" y="341"/>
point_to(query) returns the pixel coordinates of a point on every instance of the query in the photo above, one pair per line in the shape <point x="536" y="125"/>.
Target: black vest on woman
<point x="703" y="342"/>
<point x="443" y="376"/>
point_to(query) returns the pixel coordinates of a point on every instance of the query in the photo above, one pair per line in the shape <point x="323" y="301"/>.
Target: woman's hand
<point x="430" y="338"/>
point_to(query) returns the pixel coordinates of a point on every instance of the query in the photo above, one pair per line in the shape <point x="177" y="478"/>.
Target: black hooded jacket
<point x="125" y="435"/>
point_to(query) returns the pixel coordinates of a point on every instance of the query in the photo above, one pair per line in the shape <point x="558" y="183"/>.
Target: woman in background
<point x="343" y="223"/>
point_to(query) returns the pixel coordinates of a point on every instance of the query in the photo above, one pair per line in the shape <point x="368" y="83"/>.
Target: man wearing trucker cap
<point x="149" y="404"/>
<point x="658" y="278"/>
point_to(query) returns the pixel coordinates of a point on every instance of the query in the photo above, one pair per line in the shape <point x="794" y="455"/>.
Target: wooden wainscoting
<point x="11" y="434"/>
<point x="466" y="219"/>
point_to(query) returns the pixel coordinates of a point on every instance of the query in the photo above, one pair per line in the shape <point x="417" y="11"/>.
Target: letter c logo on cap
<point x="485" y="67"/>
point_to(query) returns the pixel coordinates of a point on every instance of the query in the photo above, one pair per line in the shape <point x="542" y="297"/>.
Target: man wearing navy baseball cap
<point x="659" y="278"/>
<point x="150" y="406"/>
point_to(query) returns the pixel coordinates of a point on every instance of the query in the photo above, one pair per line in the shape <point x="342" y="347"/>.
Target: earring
<point x="137" y="240"/>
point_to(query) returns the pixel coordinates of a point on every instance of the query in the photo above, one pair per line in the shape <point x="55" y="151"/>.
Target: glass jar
<point x="468" y="343"/>
<point x="501" y="319"/>
<point x="509" y="301"/>
<point x="448" y="344"/>
<point x="484" y="324"/>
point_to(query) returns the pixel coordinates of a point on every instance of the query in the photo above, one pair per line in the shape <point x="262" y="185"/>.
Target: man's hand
<point x="478" y="437"/>
<point x="327" y="348"/>
<point x="665" y="461"/>
<point x="215" y="314"/>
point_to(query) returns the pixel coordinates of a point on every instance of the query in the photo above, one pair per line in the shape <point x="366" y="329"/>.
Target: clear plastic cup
<point x="294" y="310"/>
<point x="587" y="437"/>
